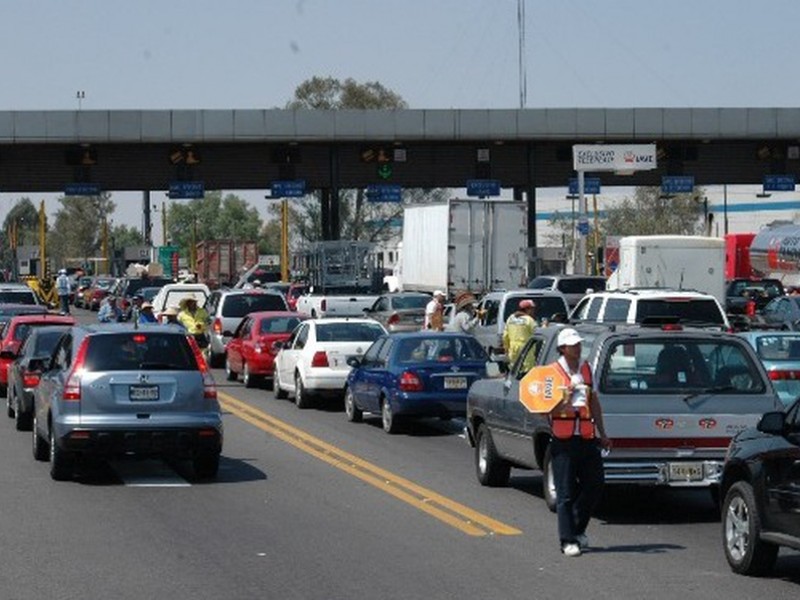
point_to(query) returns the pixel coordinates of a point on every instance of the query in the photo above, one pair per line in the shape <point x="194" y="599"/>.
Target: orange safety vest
<point x="563" y="422"/>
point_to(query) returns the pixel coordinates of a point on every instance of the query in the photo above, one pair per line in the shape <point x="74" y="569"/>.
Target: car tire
<point x="9" y="405"/>
<point x="389" y="420"/>
<point x="22" y="419"/>
<point x="248" y="379"/>
<point x="746" y="552"/>
<point x="230" y="374"/>
<point x="492" y="470"/>
<point x="353" y="413"/>
<point x="548" y="482"/>
<point x="40" y="450"/>
<point x="205" y="465"/>
<point x="280" y="394"/>
<point x="61" y="461"/>
<point x="301" y="396"/>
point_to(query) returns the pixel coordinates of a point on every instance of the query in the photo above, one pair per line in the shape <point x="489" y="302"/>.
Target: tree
<point x="651" y="213"/>
<point x="327" y="93"/>
<point x="76" y="235"/>
<point x="21" y="227"/>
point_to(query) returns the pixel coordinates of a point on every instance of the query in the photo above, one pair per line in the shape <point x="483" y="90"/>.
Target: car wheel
<point x="22" y="419"/>
<point x="40" y="451"/>
<point x="9" y="405"/>
<point x="249" y="380"/>
<point x="549" y="482"/>
<point x="60" y="460"/>
<point x="492" y="470"/>
<point x="206" y="465"/>
<point x="230" y="374"/>
<point x="746" y="552"/>
<point x="388" y="419"/>
<point x="354" y="414"/>
<point x="280" y="394"/>
<point x="301" y="396"/>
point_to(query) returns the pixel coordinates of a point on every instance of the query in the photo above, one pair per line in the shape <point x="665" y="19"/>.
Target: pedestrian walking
<point x="434" y="312"/>
<point x="63" y="289"/>
<point x="518" y="329"/>
<point x="578" y="434"/>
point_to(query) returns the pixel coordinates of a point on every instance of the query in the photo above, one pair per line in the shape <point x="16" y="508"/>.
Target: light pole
<point x="80" y="95"/>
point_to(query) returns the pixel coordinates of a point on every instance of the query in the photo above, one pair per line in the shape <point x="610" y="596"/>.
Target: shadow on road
<point x="636" y="549"/>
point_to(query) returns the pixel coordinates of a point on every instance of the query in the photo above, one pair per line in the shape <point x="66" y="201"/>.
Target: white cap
<point x="62" y="271"/>
<point x="438" y="293"/>
<point x="568" y="337"/>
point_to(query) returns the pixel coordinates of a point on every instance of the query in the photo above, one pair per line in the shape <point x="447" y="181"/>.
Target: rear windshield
<point x="440" y="349"/>
<point x="541" y="283"/>
<point x="546" y="307"/>
<point x="348" y="332"/>
<point x="581" y="285"/>
<point x="662" y="366"/>
<point x="778" y="347"/>
<point x="279" y="325"/>
<point x="694" y="310"/>
<point x="139" y="350"/>
<point x="401" y="302"/>
<point x="239" y="305"/>
<point x="20" y="297"/>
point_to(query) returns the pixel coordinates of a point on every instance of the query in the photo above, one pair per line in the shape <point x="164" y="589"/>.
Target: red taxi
<point x="252" y="351"/>
<point x="15" y="333"/>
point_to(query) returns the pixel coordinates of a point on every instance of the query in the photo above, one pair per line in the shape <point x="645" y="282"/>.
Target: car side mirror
<point x="277" y="346"/>
<point x="354" y="361"/>
<point x="773" y="423"/>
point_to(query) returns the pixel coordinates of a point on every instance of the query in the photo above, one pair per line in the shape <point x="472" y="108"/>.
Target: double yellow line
<point x="448" y="511"/>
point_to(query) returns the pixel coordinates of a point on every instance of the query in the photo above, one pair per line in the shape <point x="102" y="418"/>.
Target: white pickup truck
<point x="318" y="306"/>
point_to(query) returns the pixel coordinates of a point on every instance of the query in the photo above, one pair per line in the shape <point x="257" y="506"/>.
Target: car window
<point x="213" y="300"/>
<point x="546" y="306"/>
<point x="132" y="351"/>
<point x="406" y="302"/>
<point x="44" y="342"/>
<point x="279" y="324"/>
<point x="581" y="285"/>
<point x="697" y="310"/>
<point x="664" y="366"/>
<point x="244" y="328"/>
<point x="348" y="332"/>
<point x="62" y="357"/>
<point x="594" y="308"/>
<point x="239" y="305"/>
<point x="541" y="283"/>
<point x="383" y="304"/>
<point x="528" y="357"/>
<point x="301" y="338"/>
<point x="778" y="347"/>
<point x="371" y="355"/>
<point x="384" y="351"/>
<point x="439" y="349"/>
<point x="18" y="297"/>
<point x="617" y="310"/>
<point x="491" y="307"/>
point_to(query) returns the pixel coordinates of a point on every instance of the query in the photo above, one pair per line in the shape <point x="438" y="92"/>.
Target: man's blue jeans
<point x="64" y="300"/>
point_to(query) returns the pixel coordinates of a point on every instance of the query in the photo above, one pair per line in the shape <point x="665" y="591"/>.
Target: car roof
<point x="523" y="292"/>
<point x="426" y="334"/>
<point x="653" y="293"/>
<point x="343" y="320"/>
<point x="271" y="314"/>
<point x="43" y="318"/>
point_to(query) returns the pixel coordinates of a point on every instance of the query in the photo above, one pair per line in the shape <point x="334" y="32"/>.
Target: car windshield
<point x="546" y="307"/>
<point x="669" y="365"/>
<point x="132" y="351"/>
<point x="687" y="310"/>
<point x="403" y="302"/>
<point x="239" y="305"/>
<point x="348" y="332"/>
<point x="439" y="349"/>
<point x="20" y="297"/>
<point x="279" y="325"/>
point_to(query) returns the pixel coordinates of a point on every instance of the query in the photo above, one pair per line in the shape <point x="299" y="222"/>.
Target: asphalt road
<point x="310" y="506"/>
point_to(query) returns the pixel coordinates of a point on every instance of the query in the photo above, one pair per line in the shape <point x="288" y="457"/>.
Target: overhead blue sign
<point x="384" y="193"/>
<point x="82" y="189"/>
<point x="483" y="187"/>
<point x="591" y="185"/>
<point x="583" y="227"/>
<point x="677" y="184"/>
<point x="290" y="188"/>
<point x="186" y="189"/>
<point x="779" y="183"/>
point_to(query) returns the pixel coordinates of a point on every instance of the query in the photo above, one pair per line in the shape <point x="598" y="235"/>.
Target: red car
<point x="15" y="333"/>
<point x="252" y="351"/>
<point x="294" y="292"/>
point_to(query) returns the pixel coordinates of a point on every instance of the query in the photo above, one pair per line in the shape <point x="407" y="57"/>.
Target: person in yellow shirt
<point x="518" y="329"/>
<point x="195" y="319"/>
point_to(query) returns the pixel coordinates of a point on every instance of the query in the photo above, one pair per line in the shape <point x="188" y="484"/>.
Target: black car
<point x="761" y="491"/>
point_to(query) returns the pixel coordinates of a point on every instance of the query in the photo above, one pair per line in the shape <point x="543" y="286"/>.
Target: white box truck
<point x="474" y="244"/>
<point x="682" y="262"/>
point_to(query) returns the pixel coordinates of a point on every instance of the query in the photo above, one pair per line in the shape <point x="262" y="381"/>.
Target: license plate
<point x="139" y="393"/>
<point x="685" y="471"/>
<point x="419" y="319"/>
<point x="455" y="383"/>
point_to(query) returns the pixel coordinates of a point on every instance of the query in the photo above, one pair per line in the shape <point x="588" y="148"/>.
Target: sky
<point x="245" y="54"/>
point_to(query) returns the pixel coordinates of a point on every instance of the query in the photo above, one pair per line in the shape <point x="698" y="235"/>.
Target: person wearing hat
<point x="63" y="289"/>
<point x="171" y="317"/>
<point x="518" y="329"/>
<point x="578" y="434"/>
<point x="194" y="319"/>
<point x="109" y="312"/>
<point x="467" y="317"/>
<point x="434" y="312"/>
<point x="146" y="314"/>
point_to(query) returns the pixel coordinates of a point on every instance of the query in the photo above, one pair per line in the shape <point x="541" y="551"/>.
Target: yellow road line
<point x="446" y="510"/>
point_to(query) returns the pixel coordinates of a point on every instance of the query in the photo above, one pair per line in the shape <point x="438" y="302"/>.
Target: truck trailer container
<point x="221" y="262"/>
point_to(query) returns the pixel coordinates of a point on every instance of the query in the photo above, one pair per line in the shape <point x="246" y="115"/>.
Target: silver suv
<point x="123" y="389"/>
<point x="227" y="308"/>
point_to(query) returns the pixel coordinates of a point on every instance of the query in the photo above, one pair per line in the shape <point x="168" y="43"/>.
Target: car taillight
<point x="784" y="375"/>
<point x="671" y="327"/>
<point x="209" y="385"/>
<point x="410" y="382"/>
<point x="320" y="359"/>
<point x="72" y="387"/>
<point x="393" y="320"/>
<point x="217" y="326"/>
<point x="30" y="379"/>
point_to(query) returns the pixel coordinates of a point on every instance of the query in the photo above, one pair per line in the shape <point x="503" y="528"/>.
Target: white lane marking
<point x="147" y="473"/>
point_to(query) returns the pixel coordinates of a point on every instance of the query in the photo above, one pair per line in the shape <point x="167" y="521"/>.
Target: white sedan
<point x="313" y="360"/>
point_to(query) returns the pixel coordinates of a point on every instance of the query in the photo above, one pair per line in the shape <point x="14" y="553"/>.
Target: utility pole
<point x="284" y="240"/>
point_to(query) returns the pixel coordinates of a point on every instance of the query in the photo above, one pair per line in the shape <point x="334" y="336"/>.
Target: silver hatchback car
<point x="123" y="389"/>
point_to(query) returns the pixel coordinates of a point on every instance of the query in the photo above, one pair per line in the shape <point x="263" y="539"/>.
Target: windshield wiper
<point x="709" y="391"/>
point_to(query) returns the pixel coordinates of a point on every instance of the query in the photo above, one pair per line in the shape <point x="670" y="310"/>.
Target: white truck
<point x="474" y="244"/>
<point x="318" y="306"/>
<point x="681" y="262"/>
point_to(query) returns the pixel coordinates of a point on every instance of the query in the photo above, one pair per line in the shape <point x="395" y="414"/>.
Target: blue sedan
<point x="414" y="375"/>
<point x="779" y="351"/>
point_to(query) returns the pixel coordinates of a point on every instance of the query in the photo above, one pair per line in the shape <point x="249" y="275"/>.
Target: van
<point x="574" y="287"/>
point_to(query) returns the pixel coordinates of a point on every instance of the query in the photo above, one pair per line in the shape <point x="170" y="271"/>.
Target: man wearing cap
<point x="518" y="329"/>
<point x="434" y="312"/>
<point x="62" y="289"/>
<point x="146" y="314"/>
<point x="578" y="434"/>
